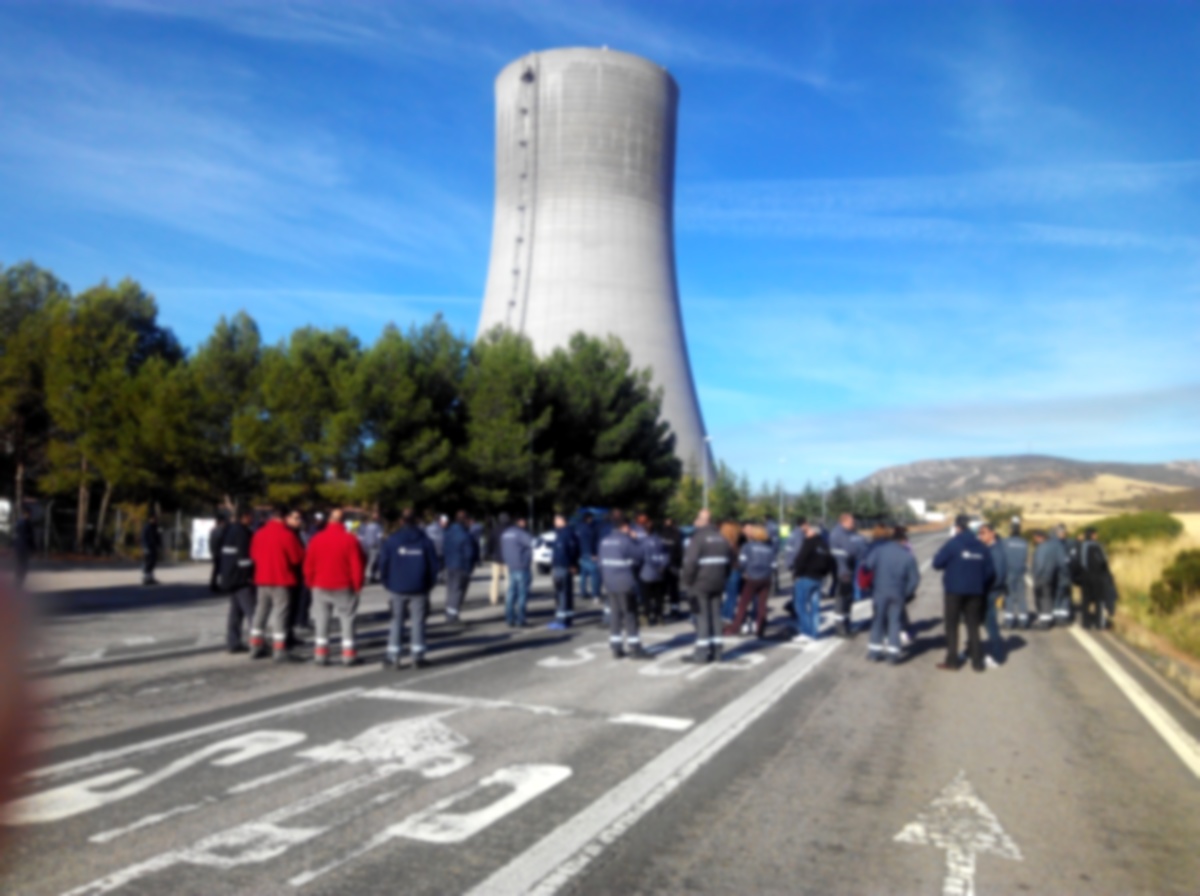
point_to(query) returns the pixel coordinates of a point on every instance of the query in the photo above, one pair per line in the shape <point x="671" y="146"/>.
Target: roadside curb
<point x="1166" y="659"/>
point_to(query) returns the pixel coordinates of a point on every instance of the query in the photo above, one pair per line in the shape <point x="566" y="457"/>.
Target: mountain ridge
<point x="950" y="478"/>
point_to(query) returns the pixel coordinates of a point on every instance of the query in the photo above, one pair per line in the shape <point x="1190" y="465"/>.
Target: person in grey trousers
<point x="370" y="536"/>
<point x="1016" y="557"/>
<point x="409" y="566"/>
<point x="995" y="595"/>
<point x="894" y="576"/>
<point x="620" y="561"/>
<point x="706" y="565"/>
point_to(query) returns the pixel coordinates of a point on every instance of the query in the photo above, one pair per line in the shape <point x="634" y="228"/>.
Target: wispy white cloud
<point x="942" y="209"/>
<point x="444" y="30"/>
<point x="198" y="157"/>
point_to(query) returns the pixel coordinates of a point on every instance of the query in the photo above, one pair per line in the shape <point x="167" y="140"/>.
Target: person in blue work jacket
<point x="564" y="563"/>
<point x="652" y="577"/>
<point x="588" y="534"/>
<point x="516" y="550"/>
<point x="620" y="562"/>
<point x="995" y="595"/>
<point x="894" y="576"/>
<point x="408" y="567"/>
<point x="461" y="554"/>
<point x="967" y="576"/>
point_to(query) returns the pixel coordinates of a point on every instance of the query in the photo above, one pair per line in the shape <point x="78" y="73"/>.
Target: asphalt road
<point x="533" y="762"/>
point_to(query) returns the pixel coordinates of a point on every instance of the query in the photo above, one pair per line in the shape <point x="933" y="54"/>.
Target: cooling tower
<point x="583" y="235"/>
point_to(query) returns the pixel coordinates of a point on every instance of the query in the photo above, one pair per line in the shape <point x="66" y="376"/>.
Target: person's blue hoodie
<point x="461" y="550"/>
<point x="565" y="552"/>
<point x="408" y="563"/>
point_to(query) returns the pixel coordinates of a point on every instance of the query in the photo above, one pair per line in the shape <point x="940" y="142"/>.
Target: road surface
<point x="532" y="762"/>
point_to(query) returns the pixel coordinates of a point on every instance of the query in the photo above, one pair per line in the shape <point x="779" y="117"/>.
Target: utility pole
<point x="707" y="443"/>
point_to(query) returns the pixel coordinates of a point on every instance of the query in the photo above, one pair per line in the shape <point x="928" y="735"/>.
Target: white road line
<point x="561" y="855"/>
<point x="1184" y="745"/>
<point x="148" y="821"/>
<point x="78" y="659"/>
<point x="666" y="723"/>
<point x="138" y="640"/>
<point x="255" y="783"/>
<point x="405" y="696"/>
<point x="83" y="762"/>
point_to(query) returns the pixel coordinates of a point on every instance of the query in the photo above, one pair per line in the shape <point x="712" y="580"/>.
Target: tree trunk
<point x="81" y="511"/>
<point x="102" y="516"/>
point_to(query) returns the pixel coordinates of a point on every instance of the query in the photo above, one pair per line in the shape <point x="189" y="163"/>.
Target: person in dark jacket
<point x="812" y="563"/>
<point x="1099" y="590"/>
<point x="516" y="550"/>
<point x="1064" y="604"/>
<point x="652" y="577"/>
<point x="995" y="595"/>
<point x="461" y="554"/>
<point x="847" y="547"/>
<point x="756" y="560"/>
<point x="706" y="565"/>
<point x="588" y="534"/>
<point x="491" y="553"/>
<point x="1016" y="561"/>
<point x="236" y="578"/>
<point x="894" y="576"/>
<point x="23" y="545"/>
<point x="408" y="567"/>
<point x="620" y="561"/>
<point x="1046" y="568"/>
<point x="215" y="537"/>
<point x="151" y="547"/>
<point x="967" y="576"/>
<point x="564" y="564"/>
<point x="672" y="542"/>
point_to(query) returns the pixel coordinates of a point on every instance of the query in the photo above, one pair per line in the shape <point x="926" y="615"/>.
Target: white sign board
<point x="201" y="529"/>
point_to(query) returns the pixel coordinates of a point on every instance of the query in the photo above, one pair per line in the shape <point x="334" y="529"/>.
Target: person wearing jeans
<point x="516" y="550"/>
<point x="812" y="563"/>
<point x="995" y="596"/>
<point x="565" y="563"/>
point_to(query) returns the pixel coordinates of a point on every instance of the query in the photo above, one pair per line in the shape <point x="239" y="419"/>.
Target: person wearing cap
<point x="967" y="575"/>
<point x="894" y="576"/>
<point x="1016" y="561"/>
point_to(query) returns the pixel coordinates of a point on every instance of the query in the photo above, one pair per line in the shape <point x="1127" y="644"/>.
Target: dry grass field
<point x="1072" y="503"/>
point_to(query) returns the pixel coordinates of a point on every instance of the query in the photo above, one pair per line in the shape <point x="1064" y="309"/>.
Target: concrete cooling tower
<point x="583" y="235"/>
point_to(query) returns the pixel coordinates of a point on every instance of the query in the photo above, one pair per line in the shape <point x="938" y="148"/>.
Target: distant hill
<point x="947" y="480"/>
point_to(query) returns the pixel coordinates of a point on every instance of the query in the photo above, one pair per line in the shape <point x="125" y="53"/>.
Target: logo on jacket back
<point x="967" y="555"/>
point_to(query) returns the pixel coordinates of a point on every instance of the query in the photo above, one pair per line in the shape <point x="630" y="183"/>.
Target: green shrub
<point x="1180" y="582"/>
<point x="1149" y="526"/>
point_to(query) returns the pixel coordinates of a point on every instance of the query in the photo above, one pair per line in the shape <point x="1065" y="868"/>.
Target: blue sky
<point x="904" y="230"/>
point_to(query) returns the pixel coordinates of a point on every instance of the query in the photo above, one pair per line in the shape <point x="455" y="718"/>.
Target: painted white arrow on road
<point x="959" y="822"/>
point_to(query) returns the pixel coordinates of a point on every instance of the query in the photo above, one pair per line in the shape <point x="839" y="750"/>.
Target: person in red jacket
<point x="278" y="555"/>
<point x="333" y="569"/>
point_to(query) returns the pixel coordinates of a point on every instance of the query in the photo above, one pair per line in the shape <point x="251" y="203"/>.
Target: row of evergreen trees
<point x="100" y="403"/>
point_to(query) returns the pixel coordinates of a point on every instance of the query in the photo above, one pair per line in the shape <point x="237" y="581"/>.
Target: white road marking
<point x="94" y="759"/>
<point x="78" y="659"/>
<point x="139" y="640"/>
<point x="566" y="851"/>
<point x="148" y="821"/>
<point x="255" y="783"/>
<point x="423" y="745"/>
<point x="406" y="696"/>
<point x="1178" y="739"/>
<point x="87" y="795"/>
<point x="666" y="723"/>
<point x="438" y="825"/>
<point x="960" y="822"/>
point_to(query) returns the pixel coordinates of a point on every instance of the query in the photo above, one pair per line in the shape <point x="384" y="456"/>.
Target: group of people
<point x="282" y="576"/>
<point x="721" y="574"/>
